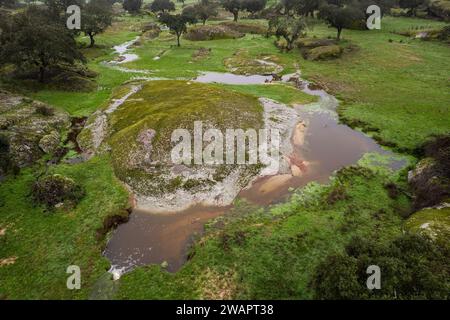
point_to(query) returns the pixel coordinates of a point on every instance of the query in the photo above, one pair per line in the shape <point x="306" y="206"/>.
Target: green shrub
<point x="412" y="267"/>
<point x="55" y="189"/>
<point x="44" y="110"/>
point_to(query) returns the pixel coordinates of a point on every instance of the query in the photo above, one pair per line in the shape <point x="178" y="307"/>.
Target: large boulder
<point x="314" y="42"/>
<point x="56" y="190"/>
<point x="430" y="180"/>
<point x="323" y="52"/>
<point x="137" y="129"/>
<point x="23" y="125"/>
<point x="151" y="30"/>
<point x="50" y="142"/>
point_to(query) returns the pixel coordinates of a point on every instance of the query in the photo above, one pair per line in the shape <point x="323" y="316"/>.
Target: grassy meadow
<point x="393" y="88"/>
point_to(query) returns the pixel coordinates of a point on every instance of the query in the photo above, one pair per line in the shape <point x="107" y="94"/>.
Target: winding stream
<point x="320" y="146"/>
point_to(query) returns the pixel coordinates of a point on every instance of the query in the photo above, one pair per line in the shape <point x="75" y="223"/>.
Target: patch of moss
<point x="433" y="222"/>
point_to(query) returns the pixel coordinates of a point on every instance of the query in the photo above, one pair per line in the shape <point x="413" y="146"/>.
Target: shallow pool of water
<point x="149" y="238"/>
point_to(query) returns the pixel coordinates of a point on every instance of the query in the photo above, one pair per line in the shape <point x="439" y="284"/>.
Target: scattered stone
<point x="50" y="142"/>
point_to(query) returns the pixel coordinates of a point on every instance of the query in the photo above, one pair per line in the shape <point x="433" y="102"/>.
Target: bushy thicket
<point x="412" y="267"/>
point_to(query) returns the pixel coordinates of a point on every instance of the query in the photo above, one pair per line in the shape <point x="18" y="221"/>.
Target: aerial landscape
<point x="224" y="149"/>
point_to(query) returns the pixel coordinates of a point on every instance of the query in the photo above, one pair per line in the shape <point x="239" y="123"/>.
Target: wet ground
<point x="320" y="144"/>
<point x="154" y="238"/>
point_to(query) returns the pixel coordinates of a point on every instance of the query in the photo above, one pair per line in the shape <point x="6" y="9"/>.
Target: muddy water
<point x="149" y="238"/>
<point x="326" y="147"/>
<point x="320" y="146"/>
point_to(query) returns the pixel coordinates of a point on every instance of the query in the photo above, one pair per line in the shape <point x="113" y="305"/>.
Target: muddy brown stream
<point x="325" y="146"/>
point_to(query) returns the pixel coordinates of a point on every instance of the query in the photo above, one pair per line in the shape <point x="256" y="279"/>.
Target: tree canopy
<point x="34" y="39"/>
<point x="340" y="17"/>
<point x="288" y="27"/>
<point x="132" y="6"/>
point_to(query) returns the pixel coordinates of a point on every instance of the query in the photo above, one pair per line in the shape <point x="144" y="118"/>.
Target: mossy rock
<point x="50" y="142"/>
<point x="70" y="81"/>
<point x="211" y="32"/>
<point x="141" y="129"/>
<point x="433" y="222"/>
<point x="24" y="126"/>
<point x="440" y="9"/>
<point x="429" y="184"/>
<point x="241" y="27"/>
<point x="313" y="42"/>
<point x="323" y="53"/>
<point x="242" y="63"/>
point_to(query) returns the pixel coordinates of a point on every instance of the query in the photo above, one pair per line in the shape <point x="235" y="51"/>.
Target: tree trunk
<point x="289" y="43"/>
<point x="204" y="21"/>
<point x="41" y="74"/>
<point x="178" y="39"/>
<point x="339" y="30"/>
<point x="235" y="16"/>
<point x="91" y="37"/>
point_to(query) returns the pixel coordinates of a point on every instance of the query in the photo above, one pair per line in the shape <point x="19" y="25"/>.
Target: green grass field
<point x="397" y="91"/>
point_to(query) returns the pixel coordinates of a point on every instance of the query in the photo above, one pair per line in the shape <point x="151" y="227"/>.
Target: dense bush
<point x="44" y="110"/>
<point x="55" y="189"/>
<point x="412" y="267"/>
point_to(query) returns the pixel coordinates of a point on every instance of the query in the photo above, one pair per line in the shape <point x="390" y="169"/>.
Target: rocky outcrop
<point x="430" y="180"/>
<point x="50" y="142"/>
<point x="319" y="49"/>
<point x="241" y="62"/>
<point x="28" y="129"/>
